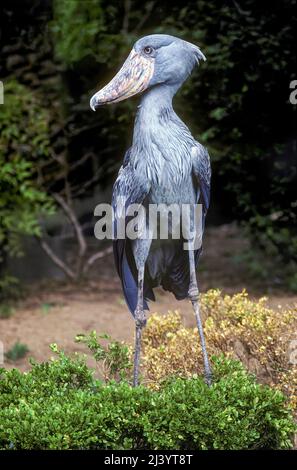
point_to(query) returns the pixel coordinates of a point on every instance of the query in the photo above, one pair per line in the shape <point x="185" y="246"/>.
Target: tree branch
<point x="125" y="26"/>
<point x="55" y="259"/>
<point x="95" y="257"/>
<point x="239" y="9"/>
<point x="145" y="17"/>
<point x="73" y="219"/>
<point x="81" y="161"/>
<point x="87" y="184"/>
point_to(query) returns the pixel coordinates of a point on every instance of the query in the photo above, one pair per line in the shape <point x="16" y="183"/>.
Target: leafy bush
<point x="24" y="143"/>
<point x="9" y="285"/>
<point x="114" y="359"/>
<point x="17" y="351"/>
<point x="75" y="27"/>
<point x="240" y="411"/>
<point x="59" y="405"/>
<point x="80" y="30"/>
<point x="235" y="326"/>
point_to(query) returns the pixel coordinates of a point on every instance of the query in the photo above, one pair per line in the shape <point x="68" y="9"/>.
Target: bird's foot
<point x="208" y="378"/>
<point x="193" y="294"/>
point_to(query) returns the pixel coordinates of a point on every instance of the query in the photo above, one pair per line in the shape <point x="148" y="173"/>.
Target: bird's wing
<point x="202" y="174"/>
<point x="131" y="187"/>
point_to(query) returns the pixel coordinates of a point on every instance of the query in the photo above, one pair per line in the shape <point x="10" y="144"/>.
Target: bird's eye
<point x="148" y="50"/>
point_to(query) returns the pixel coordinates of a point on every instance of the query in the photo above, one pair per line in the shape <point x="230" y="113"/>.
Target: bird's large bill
<point x="131" y="79"/>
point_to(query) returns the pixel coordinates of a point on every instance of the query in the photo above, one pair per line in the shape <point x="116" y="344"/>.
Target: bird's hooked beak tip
<point x="94" y="104"/>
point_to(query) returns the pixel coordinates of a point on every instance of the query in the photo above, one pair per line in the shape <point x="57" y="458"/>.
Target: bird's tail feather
<point x="128" y="274"/>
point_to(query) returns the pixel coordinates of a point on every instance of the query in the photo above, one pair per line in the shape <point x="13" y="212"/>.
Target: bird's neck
<point x="155" y="109"/>
<point x="160" y="138"/>
<point x="157" y="98"/>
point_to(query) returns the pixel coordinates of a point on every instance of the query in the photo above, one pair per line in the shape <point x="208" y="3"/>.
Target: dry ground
<point x="54" y="312"/>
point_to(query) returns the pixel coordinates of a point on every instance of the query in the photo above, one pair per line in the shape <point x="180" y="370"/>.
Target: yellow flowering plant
<point x="234" y="325"/>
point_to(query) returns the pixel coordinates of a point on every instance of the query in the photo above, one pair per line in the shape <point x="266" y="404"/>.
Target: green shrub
<point x="235" y="326"/>
<point x="114" y="358"/>
<point x="17" y="351"/>
<point x="24" y="143"/>
<point x="235" y="413"/>
<point x="9" y="288"/>
<point x="59" y="405"/>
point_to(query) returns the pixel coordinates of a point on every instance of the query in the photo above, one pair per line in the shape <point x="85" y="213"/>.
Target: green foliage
<point x="80" y="30"/>
<point x="264" y="263"/>
<point x="244" y="414"/>
<point x="293" y="282"/>
<point x="276" y="235"/>
<point x="237" y="100"/>
<point x="9" y="286"/>
<point x="17" y="351"/>
<point x="59" y="405"/>
<point x="115" y="358"/>
<point x="76" y="26"/>
<point x="24" y="142"/>
<point x="6" y="310"/>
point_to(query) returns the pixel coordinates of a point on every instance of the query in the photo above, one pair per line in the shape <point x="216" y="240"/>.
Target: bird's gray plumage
<point x="165" y="165"/>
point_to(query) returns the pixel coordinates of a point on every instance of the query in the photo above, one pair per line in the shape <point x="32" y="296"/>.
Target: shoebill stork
<point x="164" y="165"/>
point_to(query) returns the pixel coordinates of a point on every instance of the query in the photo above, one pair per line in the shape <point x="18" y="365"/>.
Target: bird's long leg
<point x="194" y="297"/>
<point x="140" y="321"/>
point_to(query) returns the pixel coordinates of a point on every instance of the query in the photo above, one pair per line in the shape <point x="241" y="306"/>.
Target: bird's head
<point x="154" y="60"/>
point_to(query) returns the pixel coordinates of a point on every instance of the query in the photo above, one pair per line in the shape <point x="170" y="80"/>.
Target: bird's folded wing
<point x="202" y="174"/>
<point x="131" y="187"/>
